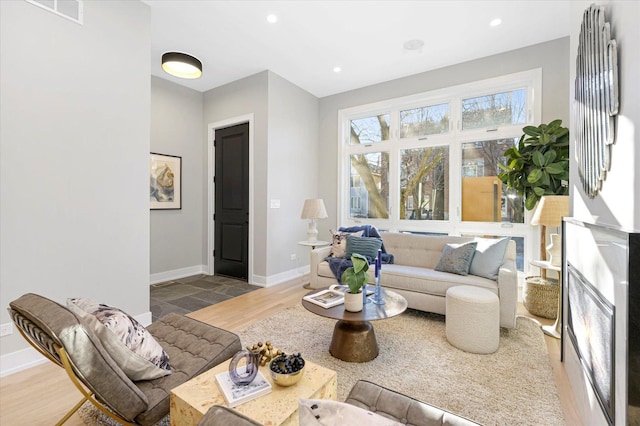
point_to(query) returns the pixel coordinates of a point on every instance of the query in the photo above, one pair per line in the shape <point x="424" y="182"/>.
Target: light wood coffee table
<point x="191" y="400"/>
<point x="353" y="337"/>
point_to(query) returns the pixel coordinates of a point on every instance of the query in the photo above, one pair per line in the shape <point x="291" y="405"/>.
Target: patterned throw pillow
<point x="323" y="412"/>
<point x="456" y="258"/>
<point x="339" y="242"/>
<point x="366" y="246"/>
<point x="130" y="345"/>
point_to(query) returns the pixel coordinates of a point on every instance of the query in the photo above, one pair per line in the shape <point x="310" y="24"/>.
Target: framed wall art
<point x="165" y="182"/>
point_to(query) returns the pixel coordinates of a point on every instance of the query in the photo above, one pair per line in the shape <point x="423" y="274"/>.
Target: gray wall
<point x="293" y="171"/>
<point x="246" y="96"/>
<point x="178" y="238"/>
<point x="552" y="57"/>
<point x="284" y="166"/>
<point x="618" y="203"/>
<point x="74" y="157"/>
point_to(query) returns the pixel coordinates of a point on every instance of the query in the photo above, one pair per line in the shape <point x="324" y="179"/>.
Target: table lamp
<point x="313" y="210"/>
<point x="551" y="209"/>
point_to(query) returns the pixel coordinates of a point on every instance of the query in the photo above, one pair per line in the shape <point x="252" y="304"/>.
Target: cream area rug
<point x="513" y="386"/>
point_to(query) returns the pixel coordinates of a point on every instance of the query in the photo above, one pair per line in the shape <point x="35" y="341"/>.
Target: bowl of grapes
<point x="286" y="370"/>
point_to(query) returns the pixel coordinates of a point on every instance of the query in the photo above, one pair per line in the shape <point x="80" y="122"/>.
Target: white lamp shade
<point x="313" y="209"/>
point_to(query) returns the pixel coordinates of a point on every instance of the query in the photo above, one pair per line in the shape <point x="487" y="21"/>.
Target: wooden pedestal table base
<point x="353" y="337"/>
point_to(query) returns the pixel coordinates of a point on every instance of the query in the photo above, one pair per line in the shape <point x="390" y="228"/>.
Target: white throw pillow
<point x="325" y="412"/>
<point x="488" y="257"/>
<point x="130" y="345"/>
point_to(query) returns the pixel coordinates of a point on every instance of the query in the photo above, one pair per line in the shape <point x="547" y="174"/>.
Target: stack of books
<point x="236" y="394"/>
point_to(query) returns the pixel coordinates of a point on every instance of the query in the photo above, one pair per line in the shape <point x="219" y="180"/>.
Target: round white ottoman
<point x="473" y="319"/>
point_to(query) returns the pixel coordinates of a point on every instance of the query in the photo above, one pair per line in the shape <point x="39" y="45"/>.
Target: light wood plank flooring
<point x="41" y="395"/>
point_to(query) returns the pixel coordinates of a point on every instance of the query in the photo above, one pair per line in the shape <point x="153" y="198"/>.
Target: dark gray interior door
<point x="231" y="245"/>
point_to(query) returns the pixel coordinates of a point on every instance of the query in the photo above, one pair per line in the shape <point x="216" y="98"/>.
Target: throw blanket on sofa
<point x="339" y="264"/>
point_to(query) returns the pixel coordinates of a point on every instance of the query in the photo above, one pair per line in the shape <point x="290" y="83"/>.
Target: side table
<point x="190" y="401"/>
<point x="554" y="330"/>
<point x="313" y="245"/>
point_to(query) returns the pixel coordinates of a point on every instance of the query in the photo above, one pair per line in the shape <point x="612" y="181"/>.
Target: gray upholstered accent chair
<point x="219" y="415"/>
<point x="401" y="408"/>
<point x="193" y="347"/>
<point x="368" y="396"/>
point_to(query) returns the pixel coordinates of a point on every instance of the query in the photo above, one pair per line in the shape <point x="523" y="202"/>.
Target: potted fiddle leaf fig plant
<point x="539" y="164"/>
<point x="355" y="277"/>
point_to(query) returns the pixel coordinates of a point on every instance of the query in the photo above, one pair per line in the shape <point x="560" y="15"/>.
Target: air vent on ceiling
<point x="70" y="9"/>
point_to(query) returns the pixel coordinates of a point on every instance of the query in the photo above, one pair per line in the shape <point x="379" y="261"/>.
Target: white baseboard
<point x="20" y="360"/>
<point x="23" y="359"/>
<point x="175" y="274"/>
<point x="286" y="276"/>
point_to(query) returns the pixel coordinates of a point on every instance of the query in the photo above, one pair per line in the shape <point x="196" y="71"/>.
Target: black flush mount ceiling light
<point x="181" y="65"/>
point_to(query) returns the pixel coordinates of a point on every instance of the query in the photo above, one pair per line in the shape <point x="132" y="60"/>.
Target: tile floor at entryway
<point x="192" y="293"/>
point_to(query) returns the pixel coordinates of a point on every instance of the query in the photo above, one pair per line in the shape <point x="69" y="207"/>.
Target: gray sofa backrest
<point x="424" y="250"/>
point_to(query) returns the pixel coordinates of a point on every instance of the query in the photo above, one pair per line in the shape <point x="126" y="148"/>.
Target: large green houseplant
<point x="539" y="164"/>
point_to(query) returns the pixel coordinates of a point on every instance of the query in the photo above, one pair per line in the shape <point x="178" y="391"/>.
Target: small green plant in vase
<point x="355" y="277"/>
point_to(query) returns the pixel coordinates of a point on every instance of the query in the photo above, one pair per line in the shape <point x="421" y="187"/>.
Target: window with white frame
<point x="429" y="163"/>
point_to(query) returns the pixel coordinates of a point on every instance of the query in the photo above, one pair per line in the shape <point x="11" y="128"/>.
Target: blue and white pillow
<point x="456" y="258"/>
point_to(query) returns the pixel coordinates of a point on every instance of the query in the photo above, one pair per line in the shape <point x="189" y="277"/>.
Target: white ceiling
<point x="365" y="38"/>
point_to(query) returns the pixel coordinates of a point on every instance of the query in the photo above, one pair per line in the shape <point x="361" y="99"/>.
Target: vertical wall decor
<point x="165" y="184"/>
<point x="596" y="99"/>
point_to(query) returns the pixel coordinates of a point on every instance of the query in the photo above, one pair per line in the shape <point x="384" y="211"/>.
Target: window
<point x="484" y="197"/>
<point x="429" y="163"/>
<point x="369" y="190"/>
<point x="424" y="121"/>
<point x="369" y="130"/>
<point x="424" y="177"/>
<point x="495" y="109"/>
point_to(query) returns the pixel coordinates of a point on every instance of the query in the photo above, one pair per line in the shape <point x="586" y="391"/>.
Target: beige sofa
<point x="413" y="276"/>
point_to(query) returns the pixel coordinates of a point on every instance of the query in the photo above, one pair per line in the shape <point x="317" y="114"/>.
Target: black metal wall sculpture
<point x="596" y="99"/>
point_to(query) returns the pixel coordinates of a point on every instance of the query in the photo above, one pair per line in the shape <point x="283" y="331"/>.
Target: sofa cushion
<point x="130" y="345"/>
<point x="366" y="246"/>
<point x="339" y="242"/>
<point x="429" y="281"/>
<point x="325" y="412"/>
<point x="456" y="258"/>
<point x="488" y="257"/>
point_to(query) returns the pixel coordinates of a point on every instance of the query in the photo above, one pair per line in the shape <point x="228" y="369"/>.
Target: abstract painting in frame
<point x="165" y="182"/>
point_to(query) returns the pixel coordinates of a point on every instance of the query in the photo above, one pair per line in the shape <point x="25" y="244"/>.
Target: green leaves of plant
<point x="539" y="164"/>
<point x="356" y="276"/>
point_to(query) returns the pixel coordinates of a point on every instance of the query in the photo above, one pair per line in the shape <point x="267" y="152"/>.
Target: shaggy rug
<point x="513" y="386"/>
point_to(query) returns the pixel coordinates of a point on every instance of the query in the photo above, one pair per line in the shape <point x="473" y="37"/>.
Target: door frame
<point x="211" y="134"/>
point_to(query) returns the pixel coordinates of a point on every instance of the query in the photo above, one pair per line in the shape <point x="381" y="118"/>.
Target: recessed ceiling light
<point x="337" y="69"/>
<point x="415" y="44"/>
<point x="272" y="19"/>
<point x="495" y="22"/>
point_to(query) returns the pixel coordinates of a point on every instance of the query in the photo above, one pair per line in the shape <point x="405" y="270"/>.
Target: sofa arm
<point x="508" y="293"/>
<point x="318" y="256"/>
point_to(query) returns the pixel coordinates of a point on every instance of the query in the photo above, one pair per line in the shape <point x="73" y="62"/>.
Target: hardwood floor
<point x="43" y="394"/>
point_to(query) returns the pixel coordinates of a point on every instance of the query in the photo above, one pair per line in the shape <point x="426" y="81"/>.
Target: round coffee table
<point x="353" y="337"/>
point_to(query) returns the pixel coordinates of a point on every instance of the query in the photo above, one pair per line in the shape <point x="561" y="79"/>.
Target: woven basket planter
<point x="540" y="296"/>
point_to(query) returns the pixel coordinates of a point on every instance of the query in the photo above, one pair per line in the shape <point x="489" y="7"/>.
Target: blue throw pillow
<point x="456" y="258"/>
<point x="488" y="257"/>
<point x="366" y="246"/>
